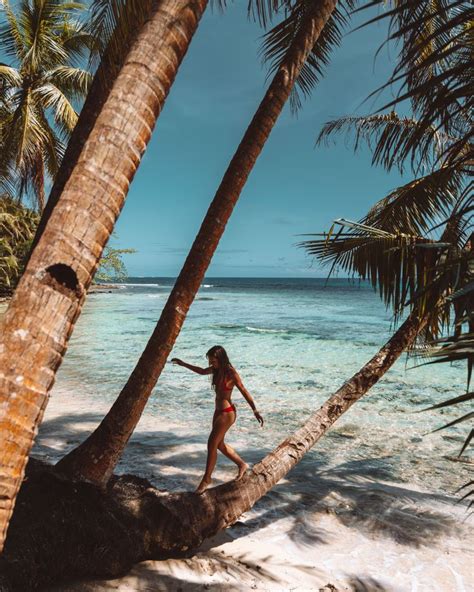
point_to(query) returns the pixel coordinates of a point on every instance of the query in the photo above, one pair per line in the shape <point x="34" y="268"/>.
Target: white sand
<point x="355" y="534"/>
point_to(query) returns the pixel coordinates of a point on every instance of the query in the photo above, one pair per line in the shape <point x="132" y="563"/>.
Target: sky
<point x="295" y="187"/>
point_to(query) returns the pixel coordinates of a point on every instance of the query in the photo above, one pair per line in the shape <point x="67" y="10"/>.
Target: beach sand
<point x="313" y="531"/>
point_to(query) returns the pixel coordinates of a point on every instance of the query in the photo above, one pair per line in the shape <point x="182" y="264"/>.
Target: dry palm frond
<point x="434" y="69"/>
<point x="392" y="139"/>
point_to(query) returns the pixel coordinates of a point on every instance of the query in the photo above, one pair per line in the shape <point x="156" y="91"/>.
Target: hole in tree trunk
<point x="63" y="278"/>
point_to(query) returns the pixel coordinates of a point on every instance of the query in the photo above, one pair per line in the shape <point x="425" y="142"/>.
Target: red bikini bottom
<point x="229" y="409"/>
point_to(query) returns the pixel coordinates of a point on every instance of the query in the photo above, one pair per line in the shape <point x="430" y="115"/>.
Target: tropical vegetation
<point x="126" y="518"/>
<point x="112" y="267"/>
<point x="17" y="227"/>
<point x="41" y="87"/>
<point x="415" y="245"/>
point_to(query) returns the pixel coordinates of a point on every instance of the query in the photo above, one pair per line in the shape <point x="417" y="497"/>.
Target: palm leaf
<point x="11" y="38"/>
<point x="449" y="402"/>
<point x="263" y="11"/>
<point x="434" y="69"/>
<point x="50" y="97"/>
<point x="9" y="76"/>
<point x="72" y="82"/>
<point x="391" y="139"/>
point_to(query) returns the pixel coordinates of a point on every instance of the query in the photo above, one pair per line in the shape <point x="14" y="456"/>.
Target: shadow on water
<point x="362" y="494"/>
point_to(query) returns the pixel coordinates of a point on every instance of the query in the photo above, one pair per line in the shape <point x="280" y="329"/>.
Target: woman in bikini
<point x="224" y="378"/>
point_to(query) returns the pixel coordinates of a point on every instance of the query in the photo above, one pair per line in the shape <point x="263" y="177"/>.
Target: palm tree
<point x="44" y="41"/>
<point x="42" y="313"/>
<point x="95" y="459"/>
<point x="17" y="226"/>
<point x="185" y="519"/>
<point x="114" y="26"/>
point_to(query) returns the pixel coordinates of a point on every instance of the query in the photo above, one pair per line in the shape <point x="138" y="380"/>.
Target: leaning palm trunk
<point x="132" y="521"/>
<point x="218" y="508"/>
<point x="50" y="295"/>
<point x="95" y="459"/>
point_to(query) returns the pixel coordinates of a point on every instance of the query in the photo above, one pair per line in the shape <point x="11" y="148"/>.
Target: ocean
<point x="294" y="342"/>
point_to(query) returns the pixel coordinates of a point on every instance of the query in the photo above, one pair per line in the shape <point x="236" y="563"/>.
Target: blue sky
<point x="294" y="188"/>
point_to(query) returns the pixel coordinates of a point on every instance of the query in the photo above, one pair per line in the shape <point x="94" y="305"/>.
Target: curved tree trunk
<point x="223" y="505"/>
<point x="50" y="295"/>
<point x="95" y="459"/>
<point x="60" y="525"/>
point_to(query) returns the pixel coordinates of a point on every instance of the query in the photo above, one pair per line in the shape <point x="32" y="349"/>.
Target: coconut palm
<point x="41" y="315"/>
<point x="17" y="226"/>
<point x="42" y="84"/>
<point x="183" y="520"/>
<point x="95" y="459"/>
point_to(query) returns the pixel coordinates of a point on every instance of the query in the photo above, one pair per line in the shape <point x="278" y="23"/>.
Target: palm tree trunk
<point x="198" y="517"/>
<point x="95" y="459"/>
<point x="50" y="295"/>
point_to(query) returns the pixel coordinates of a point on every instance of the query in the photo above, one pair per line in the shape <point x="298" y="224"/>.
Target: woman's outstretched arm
<point x="196" y="369"/>
<point x="248" y="397"/>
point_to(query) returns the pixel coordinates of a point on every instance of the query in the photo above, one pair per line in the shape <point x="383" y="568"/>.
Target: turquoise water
<point x="294" y="342"/>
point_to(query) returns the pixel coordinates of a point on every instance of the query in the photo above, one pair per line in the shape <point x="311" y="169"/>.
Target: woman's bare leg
<point x="219" y="428"/>
<point x="228" y="451"/>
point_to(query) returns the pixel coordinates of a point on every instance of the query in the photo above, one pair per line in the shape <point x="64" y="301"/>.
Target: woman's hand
<point x="258" y="417"/>
<point x="177" y="361"/>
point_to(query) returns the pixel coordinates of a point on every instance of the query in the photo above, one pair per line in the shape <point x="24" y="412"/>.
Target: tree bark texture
<point x="95" y="459"/>
<point x="64" y="530"/>
<point x="50" y="295"/>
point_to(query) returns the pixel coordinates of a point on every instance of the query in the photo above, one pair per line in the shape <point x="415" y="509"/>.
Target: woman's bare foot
<point x="242" y="470"/>
<point x="201" y="488"/>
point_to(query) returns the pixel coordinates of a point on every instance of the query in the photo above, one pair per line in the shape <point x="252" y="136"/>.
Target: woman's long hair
<point x="217" y="351"/>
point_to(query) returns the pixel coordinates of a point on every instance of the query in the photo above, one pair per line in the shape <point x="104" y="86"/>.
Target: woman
<point x="224" y="378"/>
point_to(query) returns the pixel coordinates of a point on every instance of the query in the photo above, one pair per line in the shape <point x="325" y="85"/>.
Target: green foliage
<point x="415" y="246"/>
<point x="17" y="228"/>
<point x="45" y="42"/>
<point x="112" y="267"/>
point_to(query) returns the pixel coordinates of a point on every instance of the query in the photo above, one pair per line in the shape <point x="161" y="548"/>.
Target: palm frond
<point x="263" y="11"/>
<point x="454" y="401"/>
<point x="11" y="38"/>
<point x="416" y="206"/>
<point x="50" y="97"/>
<point x="434" y="67"/>
<point x="72" y="82"/>
<point x="9" y="77"/>
<point x="391" y="139"/>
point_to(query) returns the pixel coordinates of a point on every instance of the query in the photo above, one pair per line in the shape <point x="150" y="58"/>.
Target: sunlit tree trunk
<point x="50" y="295"/>
<point x="94" y="460"/>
